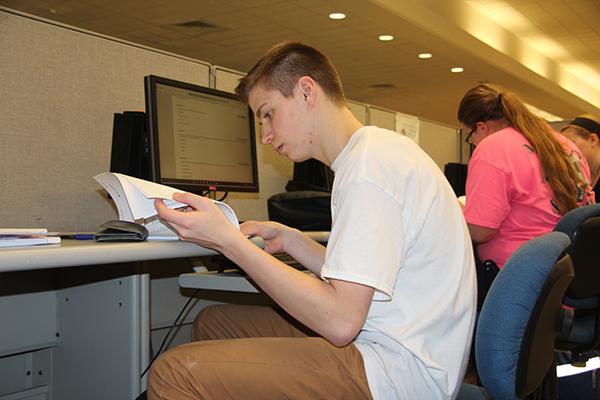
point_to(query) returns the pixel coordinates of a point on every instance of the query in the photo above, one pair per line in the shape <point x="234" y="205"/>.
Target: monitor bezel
<point x="150" y="86"/>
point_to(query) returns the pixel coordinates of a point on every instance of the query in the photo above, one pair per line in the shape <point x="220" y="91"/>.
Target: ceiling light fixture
<point x="337" y="15"/>
<point x="386" y="38"/>
<point x="425" y="55"/>
<point x="457" y="70"/>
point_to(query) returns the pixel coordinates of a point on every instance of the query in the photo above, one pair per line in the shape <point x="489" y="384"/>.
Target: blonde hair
<point x="490" y="102"/>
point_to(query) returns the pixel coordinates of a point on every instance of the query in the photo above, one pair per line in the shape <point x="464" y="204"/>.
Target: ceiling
<point x="548" y="51"/>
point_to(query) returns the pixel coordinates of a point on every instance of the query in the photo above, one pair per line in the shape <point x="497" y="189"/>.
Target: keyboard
<point x="287" y="259"/>
<point x="222" y="263"/>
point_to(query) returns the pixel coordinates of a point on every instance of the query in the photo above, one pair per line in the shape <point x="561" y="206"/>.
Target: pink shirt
<point x="506" y="191"/>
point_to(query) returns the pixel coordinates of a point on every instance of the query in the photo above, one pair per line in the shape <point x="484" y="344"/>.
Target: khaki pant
<point x="253" y="352"/>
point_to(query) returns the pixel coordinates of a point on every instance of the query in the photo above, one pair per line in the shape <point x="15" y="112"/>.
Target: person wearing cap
<point x="584" y="131"/>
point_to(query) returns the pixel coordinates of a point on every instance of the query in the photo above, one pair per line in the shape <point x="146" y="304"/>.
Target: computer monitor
<point x="201" y="139"/>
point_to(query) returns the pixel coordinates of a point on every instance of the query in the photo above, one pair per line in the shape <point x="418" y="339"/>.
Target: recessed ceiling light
<point x="386" y="38"/>
<point x="337" y="15"/>
<point x="425" y="55"/>
<point x="457" y="70"/>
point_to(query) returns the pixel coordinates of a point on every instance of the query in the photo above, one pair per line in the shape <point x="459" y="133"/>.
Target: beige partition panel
<point x="225" y="79"/>
<point x="60" y="89"/>
<point x="382" y="118"/>
<point x="441" y="142"/>
<point x="360" y="111"/>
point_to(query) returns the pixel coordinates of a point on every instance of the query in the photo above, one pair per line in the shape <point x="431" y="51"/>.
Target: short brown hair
<point x="285" y="63"/>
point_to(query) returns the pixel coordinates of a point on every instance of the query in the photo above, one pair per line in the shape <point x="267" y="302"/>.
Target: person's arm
<point x="480" y="234"/>
<point x="334" y="309"/>
<point x="488" y="191"/>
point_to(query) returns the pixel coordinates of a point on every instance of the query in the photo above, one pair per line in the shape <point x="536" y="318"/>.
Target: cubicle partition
<point x="82" y="332"/>
<point x="60" y="90"/>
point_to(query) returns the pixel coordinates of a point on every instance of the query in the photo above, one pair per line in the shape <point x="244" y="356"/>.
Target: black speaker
<point x="311" y="175"/>
<point x="304" y="210"/>
<point x="130" y="147"/>
<point x="457" y="176"/>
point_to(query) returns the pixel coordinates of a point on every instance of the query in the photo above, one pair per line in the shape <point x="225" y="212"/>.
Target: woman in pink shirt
<point x="522" y="177"/>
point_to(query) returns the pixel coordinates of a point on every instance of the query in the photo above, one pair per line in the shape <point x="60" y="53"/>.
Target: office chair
<point x="582" y="336"/>
<point x="519" y="322"/>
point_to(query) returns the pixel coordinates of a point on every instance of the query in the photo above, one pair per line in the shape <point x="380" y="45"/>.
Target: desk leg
<point x="144" y="335"/>
<point x="103" y="344"/>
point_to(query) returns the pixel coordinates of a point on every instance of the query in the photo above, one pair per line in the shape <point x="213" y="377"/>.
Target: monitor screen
<point x="200" y="138"/>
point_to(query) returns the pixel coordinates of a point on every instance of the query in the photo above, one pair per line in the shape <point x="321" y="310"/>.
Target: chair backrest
<point x="582" y="328"/>
<point x="582" y="225"/>
<point x="520" y="318"/>
<point x="569" y="223"/>
<point x="586" y="260"/>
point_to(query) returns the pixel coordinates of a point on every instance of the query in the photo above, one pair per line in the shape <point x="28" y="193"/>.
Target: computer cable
<point x="173" y="325"/>
<point x="224" y="196"/>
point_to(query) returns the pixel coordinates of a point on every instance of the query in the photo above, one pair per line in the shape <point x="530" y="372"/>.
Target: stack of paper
<point x="26" y="237"/>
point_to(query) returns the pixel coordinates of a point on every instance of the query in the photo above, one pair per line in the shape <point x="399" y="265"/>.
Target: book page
<point x="141" y="206"/>
<point x="134" y="199"/>
<point x="151" y="190"/>
<point x="158" y="230"/>
<point x="112" y="185"/>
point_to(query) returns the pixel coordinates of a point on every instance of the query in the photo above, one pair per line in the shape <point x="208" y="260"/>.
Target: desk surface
<point x="71" y="253"/>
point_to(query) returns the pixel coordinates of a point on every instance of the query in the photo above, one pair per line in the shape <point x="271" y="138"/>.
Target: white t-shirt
<point x="397" y="227"/>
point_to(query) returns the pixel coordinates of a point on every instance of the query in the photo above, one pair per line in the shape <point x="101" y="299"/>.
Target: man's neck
<point x="336" y="127"/>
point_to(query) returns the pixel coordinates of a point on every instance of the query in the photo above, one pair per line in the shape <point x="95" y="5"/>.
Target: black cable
<point x="212" y="194"/>
<point x="224" y="196"/>
<point x="175" y="323"/>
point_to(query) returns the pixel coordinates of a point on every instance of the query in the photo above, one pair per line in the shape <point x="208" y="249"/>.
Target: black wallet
<point x="121" y="231"/>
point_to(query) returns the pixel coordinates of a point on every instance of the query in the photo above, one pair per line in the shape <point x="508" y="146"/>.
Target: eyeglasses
<point x="468" y="138"/>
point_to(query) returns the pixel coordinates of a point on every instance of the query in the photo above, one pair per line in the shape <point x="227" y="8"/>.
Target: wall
<point x="441" y="142"/>
<point x="61" y="87"/>
<point x="60" y="90"/>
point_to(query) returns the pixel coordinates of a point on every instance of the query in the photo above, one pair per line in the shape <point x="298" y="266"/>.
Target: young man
<point x="392" y="307"/>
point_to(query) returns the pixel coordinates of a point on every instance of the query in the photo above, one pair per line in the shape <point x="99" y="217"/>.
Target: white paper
<point x="23" y="231"/>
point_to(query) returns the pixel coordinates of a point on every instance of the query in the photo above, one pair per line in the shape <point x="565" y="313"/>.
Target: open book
<point x="134" y="199"/>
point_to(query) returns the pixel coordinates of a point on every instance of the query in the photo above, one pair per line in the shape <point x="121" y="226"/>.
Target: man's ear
<point x="307" y="87"/>
<point x="594" y="139"/>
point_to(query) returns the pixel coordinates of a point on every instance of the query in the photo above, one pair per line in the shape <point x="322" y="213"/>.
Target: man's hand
<point x="273" y="234"/>
<point x="202" y="222"/>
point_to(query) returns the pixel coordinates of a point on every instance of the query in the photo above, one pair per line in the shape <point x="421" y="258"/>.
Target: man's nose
<point x="266" y="134"/>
